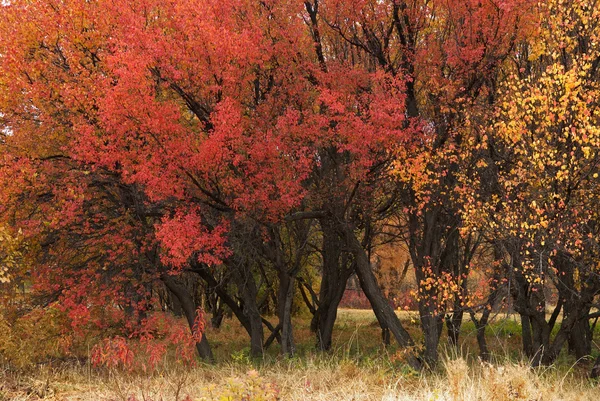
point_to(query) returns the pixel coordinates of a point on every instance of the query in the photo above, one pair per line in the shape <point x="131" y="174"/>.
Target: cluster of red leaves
<point x="154" y="338"/>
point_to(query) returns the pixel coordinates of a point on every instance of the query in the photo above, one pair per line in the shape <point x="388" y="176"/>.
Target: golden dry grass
<point x="315" y="379"/>
<point x="358" y="368"/>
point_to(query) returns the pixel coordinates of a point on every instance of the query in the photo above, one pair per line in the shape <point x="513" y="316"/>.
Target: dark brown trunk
<point x="248" y="293"/>
<point x="432" y="325"/>
<point x="334" y="278"/>
<point x="450" y="263"/>
<point x="578" y="312"/>
<point x="217" y="318"/>
<point x="328" y="316"/>
<point x="574" y="327"/>
<point x="383" y="310"/>
<point x="541" y="337"/>
<point x="215" y="304"/>
<point x="453" y="323"/>
<point x="526" y="336"/>
<point x="481" y="323"/>
<point x="189" y="308"/>
<point x="234" y="307"/>
<point x="596" y="369"/>
<point x="484" y="352"/>
<point x="580" y="337"/>
<point x="285" y="301"/>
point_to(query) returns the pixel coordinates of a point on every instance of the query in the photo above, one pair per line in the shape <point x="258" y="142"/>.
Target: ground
<point x="358" y="368"/>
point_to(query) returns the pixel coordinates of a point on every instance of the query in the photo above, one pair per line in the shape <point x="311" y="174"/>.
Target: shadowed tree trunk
<point x="450" y="262"/>
<point x="527" y="340"/>
<point x="383" y="310"/>
<point x="596" y="369"/>
<point x="287" y="252"/>
<point x="248" y="292"/>
<point x="457" y="259"/>
<point x="336" y="273"/>
<point x="530" y="303"/>
<point x="433" y="245"/>
<point x="189" y="308"/>
<point x="221" y="291"/>
<point x="580" y="338"/>
<point x="284" y="307"/>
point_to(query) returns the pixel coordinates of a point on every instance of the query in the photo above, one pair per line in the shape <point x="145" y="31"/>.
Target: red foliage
<point x="148" y="128"/>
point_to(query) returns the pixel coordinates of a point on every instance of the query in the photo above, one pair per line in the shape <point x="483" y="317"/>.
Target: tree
<point x="545" y="148"/>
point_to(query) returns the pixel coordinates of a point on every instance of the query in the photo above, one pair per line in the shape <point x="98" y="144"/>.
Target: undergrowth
<point x="357" y="368"/>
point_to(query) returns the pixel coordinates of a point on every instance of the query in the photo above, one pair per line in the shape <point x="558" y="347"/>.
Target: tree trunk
<point x="333" y="284"/>
<point x="526" y="336"/>
<point x="481" y="324"/>
<point x="248" y="293"/>
<point x="453" y="323"/>
<point x="596" y="369"/>
<point x="484" y="352"/>
<point x="450" y="263"/>
<point x="578" y="311"/>
<point x="189" y="309"/>
<point x="284" y="306"/>
<point x="580" y="337"/>
<point x="541" y="337"/>
<point x="234" y="308"/>
<point x="215" y="304"/>
<point x="327" y="318"/>
<point x="383" y="310"/>
<point x="432" y="325"/>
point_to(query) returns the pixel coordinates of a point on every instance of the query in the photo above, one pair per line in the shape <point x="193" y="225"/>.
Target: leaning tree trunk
<point x="189" y="308"/>
<point x="221" y="291"/>
<point x="480" y="325"/>
<point x="578" y="311"/>
<point x="383" y="310"/>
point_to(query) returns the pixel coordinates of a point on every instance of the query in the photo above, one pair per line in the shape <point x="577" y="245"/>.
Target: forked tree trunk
<point x="327" y="315"/>
<point x="234" y="307"/>
<point x="333" y="284"/>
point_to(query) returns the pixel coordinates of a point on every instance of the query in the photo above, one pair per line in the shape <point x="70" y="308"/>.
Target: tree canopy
<point x="255" y="156"/>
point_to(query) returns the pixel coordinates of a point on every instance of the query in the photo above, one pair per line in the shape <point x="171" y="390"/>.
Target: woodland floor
<point x="357" y="368"/>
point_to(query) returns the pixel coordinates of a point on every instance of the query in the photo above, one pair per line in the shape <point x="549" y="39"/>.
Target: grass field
<point x="357" y="368"/>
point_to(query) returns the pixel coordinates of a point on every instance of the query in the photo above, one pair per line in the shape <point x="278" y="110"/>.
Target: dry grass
<point x="315" y="379"/>
<point x="358" y="368"/>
